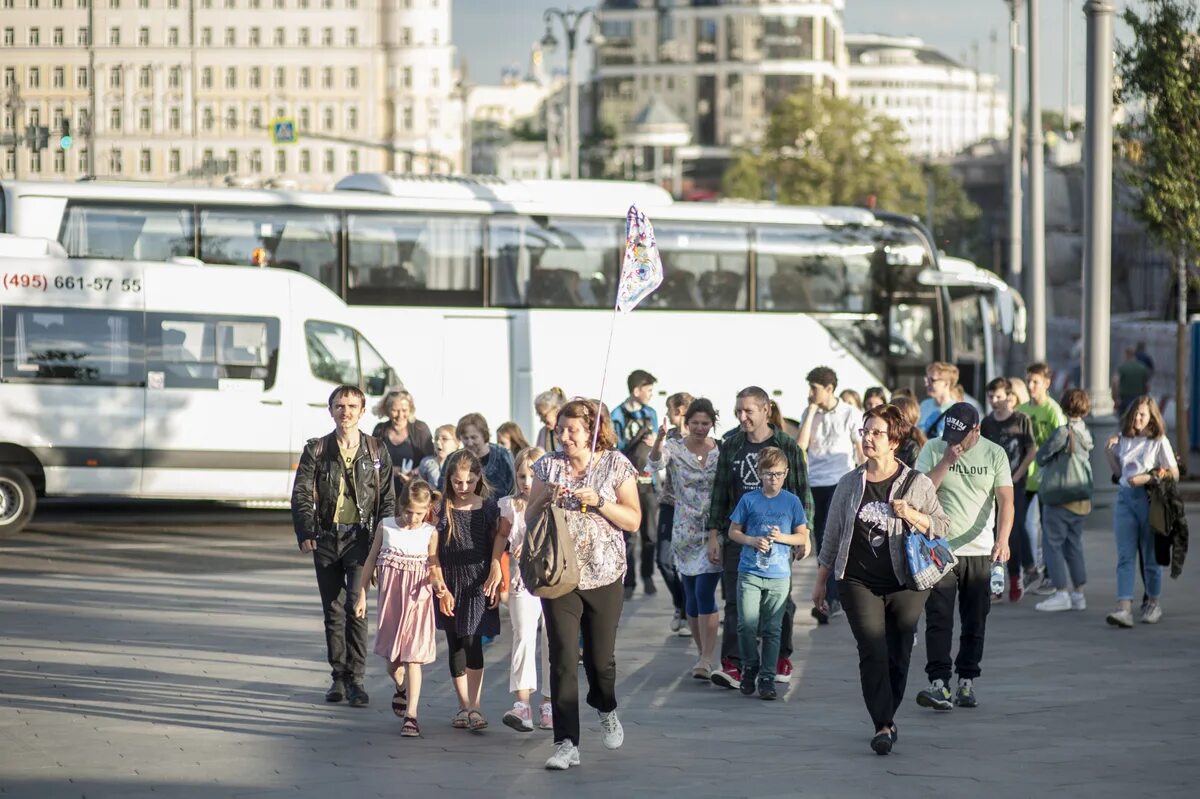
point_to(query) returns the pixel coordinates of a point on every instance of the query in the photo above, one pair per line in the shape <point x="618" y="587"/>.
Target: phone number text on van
<point x="26" y="280"/>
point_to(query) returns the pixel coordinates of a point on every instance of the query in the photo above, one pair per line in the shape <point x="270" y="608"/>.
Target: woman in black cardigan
<point x="407" y="438"/>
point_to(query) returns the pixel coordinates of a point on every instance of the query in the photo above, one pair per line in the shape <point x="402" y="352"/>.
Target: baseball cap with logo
<point x="960" y="419"/>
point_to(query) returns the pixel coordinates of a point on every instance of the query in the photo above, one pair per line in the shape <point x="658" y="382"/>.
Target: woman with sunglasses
<point x="863" y="548"/>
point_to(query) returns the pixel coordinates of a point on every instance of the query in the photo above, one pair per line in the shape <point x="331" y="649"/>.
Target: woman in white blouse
<point x="691" y="464"/>
<point x="1138" y="456"/>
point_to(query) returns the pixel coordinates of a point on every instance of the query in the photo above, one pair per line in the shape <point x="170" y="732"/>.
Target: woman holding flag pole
<point x="596" y="486"/>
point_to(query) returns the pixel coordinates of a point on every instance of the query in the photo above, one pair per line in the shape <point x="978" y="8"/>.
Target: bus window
<point x="194" y="351"/>
<point x="123" y="233"/>
<point x="72" y="346"/>
<point x="966" y="324"/>
<point x="414" y="260"/>
<point x="554" y="262"/>
<point x="910" y="334"/>
<point x="704" y="267"/>
<point x="303" y="241"/>
<point x="377" y="375"/>
<point x="814" y="269"/>
<point x="332" y="353"/>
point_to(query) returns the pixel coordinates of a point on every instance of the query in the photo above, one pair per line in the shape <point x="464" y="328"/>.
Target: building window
<point x="60" y="78"/>
<point x="206" y="37"/>
<point x="351" y="37"/>
<point x="230" y="37"/>
<point x="279" y="3"/>
<point x="81" y="37"/>
<point x="35" y="37"/>
<point x="35" y="161"/>
<point x="352" y="161"/>
<point x="406" y="36"/>
<point x="209" y="120"/>
<point x="327" y="119"/>
<point x="230" y="4"/>
<point x="145" y="77"/>
<point x="434" y="80"/>
<point x="10" y="159"/>
<point x="114" y="37"/>
<point x="232" y="157"/>
<point x="305" y="119"/>
<point x="280" y="158"/>
<point x="256" y="117"/>
<point x="60" y="161"/>
<point x="172" y="3"/>
<point x="58" y="37"/>
<point x="114" y="161"/>
<point x="301" y="3"/>
<point x="114" y="119"/>
<point x="10" y="77"/>
<point x="231" y="119"/>
<point x="114" y="3"/>
<point x="231" y="77"/>
<point x="173" y="37"/>
<point x="143" y="3"/>
<point x="406" y="118"/>
<point x="304" y="37"/>
<point x="327" y="78"/>
<point x="305" y="161"/>
<point x="144" y="119"/>
<point x="278" y="39"/>
<point x="206" y="78"/>
<point x="305" y="77"/>
<point x="81" y="78"/>
<point x="329" y="161"/>
<point x="352" y="118"/>
<point x="255" y="77"/>
<point x="144" y="161"/>
<point x="280" y="78"/>
<point x="327" y="37"/>
<point x="35" y="78"/>
<point x="255" y="37"/>
<point x="175" y="161"/>
<point x="175" y="77"/>
<point x="254" y="4"/>
<point x="406" y="77"/>
<point x="352" y="78"/>
<point x="114" y="77"/>
<point x="173" y="119"/>
<point x="143" y="37"/>
<point x="434" y="36"/>
<point x="256" y="161"/>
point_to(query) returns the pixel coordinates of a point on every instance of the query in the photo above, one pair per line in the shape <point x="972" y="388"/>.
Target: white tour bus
<point x="485" y="291"/>
<point x="164" y="380"/>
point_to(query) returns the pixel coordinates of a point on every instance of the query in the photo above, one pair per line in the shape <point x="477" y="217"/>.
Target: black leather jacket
<point x="319" y="479"/>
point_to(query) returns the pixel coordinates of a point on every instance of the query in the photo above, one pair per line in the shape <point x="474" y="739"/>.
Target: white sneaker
<point x="1152" y="614"/>
<point x="612" y="733"/>
<point x="1120" y="618"/>
<point x="1078" y="601"/>
<point x="566" y="754"/>
<point x="676" y="622"/>
<point x="1059" y="601"/>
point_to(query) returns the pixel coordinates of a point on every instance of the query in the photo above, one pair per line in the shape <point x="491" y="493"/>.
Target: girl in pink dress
<point x="403" y="559"/>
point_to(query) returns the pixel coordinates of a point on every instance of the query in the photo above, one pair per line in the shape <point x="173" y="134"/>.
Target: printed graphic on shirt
<point x="748" y="472"/>
<point x="875" y="516"/>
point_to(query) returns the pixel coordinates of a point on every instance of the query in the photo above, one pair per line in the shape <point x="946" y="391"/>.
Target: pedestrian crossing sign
<point x="283" y="131"/>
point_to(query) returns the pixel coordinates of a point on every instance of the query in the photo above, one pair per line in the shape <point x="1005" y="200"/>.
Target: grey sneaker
<point x="965" y="695"/>
<point x="936" y="696"/>
<point x="566" y="754"/>
<point x="1152" y="614"/>
<point x="1120" y="618"/>
<point x="612" y="734"/>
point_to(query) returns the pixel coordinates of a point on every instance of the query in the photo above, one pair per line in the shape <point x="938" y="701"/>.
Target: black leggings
<point x="666" y="557"/>
<point x="463" y="652"/>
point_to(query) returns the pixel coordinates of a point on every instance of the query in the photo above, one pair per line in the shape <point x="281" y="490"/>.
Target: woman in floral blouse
<point x="598" y="491"/>
<point x="691" y="464"/>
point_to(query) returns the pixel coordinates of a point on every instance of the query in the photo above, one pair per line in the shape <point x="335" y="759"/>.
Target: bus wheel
<point x="17" y="500"/>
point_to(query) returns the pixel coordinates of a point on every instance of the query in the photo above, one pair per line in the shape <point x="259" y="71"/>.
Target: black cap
<point x="959" y="420"/>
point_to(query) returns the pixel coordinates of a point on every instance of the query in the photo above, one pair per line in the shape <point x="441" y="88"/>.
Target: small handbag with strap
<point x="929" y="558"/>
<point x="549" y="566"/>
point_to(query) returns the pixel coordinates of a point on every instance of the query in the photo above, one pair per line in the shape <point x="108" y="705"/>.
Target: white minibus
<point x="165" y="380"/>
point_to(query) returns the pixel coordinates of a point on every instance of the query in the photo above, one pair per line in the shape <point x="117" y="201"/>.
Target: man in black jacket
<point x="343" y="488"/>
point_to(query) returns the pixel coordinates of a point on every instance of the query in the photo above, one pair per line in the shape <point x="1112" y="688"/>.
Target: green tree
<point x="1160" y="84"/>
<point x="821" y="150"/>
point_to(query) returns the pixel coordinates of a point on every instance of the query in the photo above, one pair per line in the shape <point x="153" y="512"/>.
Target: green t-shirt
<point x="968" y="494"/>
<point x="1131" y="379"/>
<point x="346" y="510"/>
<point x="1046" y="418"/>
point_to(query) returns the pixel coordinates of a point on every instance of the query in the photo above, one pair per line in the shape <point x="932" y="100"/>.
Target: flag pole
<point x="612" y="329"/>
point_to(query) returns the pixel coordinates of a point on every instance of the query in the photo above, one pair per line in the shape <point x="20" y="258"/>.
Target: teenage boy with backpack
<point x="636" y="422"/>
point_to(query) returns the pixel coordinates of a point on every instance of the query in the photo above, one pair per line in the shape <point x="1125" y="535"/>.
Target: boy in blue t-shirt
<point x="765" y="568"/>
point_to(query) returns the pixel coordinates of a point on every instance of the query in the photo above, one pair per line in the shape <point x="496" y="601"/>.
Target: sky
<point x="493" y="34"/>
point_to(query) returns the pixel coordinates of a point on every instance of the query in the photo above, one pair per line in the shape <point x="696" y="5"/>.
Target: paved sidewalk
<point x="144" y="676"/>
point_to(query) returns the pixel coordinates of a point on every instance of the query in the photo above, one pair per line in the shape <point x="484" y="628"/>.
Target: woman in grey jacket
<point x="864" y="549"/>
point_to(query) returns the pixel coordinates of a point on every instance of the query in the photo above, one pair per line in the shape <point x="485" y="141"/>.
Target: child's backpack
<point x="549" y="567"/>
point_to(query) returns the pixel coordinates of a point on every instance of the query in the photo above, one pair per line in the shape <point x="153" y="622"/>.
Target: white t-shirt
<point x="516" y="536"/>
<point x="405" y="541"/>
<point x="831" y="446"/>
<point x="1139" y="454"/>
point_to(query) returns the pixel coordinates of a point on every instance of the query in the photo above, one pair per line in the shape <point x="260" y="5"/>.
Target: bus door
<point x="913" y="340"/>
<point x="217" y="424"/>
<point x="971" y="339"/>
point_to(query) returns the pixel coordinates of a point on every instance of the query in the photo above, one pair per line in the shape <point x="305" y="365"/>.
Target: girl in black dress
<point x="467" y="529"/>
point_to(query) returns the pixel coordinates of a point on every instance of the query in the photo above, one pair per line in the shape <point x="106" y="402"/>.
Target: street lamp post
<point x="1015" y="252"/>
<point x="1035" y="282"/>
<point x="571" y="20"/>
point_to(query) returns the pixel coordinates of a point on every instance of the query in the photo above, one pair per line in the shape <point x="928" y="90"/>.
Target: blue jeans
<point x="1062" y="545"/>
<point x="760" y="603"/>
<point x="1131" y="523"/>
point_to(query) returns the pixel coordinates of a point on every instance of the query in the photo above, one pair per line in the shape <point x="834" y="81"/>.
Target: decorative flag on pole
<point x="642" y="271"/>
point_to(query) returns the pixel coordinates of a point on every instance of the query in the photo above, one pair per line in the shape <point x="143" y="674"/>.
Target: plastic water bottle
<point x="998" y="575"/>
<point x="762" y="560"/>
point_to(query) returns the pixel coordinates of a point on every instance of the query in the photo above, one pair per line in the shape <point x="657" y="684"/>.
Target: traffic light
<point x="64" y="134"/>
